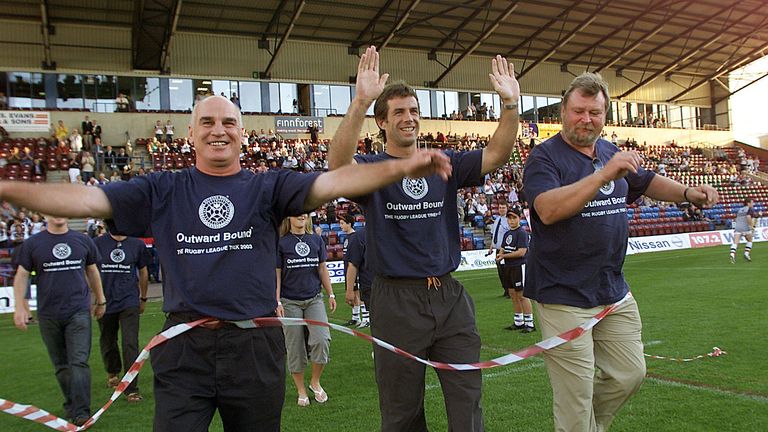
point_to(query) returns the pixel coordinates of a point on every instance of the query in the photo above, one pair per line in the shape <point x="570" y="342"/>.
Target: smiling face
<point x="215" y="134"/>
<point x="401" y="123"/>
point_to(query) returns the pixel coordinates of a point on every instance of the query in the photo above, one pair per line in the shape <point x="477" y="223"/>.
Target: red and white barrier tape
<point x="523" y="354"/>
<point x="43" y="417"/>
<point x="38" y="415"/>
<point x="716" y="352"/>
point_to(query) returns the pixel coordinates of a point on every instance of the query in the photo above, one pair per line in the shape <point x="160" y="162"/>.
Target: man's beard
<point x="587" y="140"/>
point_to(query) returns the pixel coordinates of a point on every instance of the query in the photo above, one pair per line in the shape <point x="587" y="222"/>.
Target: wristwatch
<point x="511" y="106"/>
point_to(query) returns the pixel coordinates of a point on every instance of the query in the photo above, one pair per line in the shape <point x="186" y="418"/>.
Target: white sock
<point x="519" y="319"/>
<point x="528" y="320"/>
<point x="356" y="313"/>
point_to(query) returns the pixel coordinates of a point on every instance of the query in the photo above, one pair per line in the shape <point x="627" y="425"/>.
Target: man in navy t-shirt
<point x="412" y="246"/>
<point x="358" y="274"/>
<point x="65" y="263"/>
<point x="124" y="276"/>
<point x="215" y="228"/>
<point x="579" y="187"/>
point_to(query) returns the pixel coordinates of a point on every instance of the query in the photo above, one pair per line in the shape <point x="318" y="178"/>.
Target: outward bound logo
<point x="415" y="188"/>
<point x="216" y="212"/>
<point x="302" y="249"/>
<point x="62" y="251"/>
<point x="117" y="255"/>
<point x="607" y="188"/>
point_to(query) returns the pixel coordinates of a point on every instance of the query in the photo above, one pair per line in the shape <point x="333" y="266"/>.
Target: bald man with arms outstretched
<point x="216" y="230"/>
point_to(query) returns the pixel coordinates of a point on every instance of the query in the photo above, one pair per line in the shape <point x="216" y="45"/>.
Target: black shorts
<point x="512" y="277"/>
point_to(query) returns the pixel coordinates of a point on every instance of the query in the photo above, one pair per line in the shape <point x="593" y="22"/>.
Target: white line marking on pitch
<point x="745" y="396"/>
<point x="653" y="343"/>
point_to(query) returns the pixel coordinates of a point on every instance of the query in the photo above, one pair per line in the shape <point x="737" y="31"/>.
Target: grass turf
<point x="689" y="300"/>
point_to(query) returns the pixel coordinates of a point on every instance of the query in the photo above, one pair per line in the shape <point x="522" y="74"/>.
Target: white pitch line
<point x="717" y="391"/>
<point x="652" y="343"/>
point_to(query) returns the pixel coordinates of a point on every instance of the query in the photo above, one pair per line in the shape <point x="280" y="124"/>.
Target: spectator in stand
<point x="235" y="100"/>
<point x="96" y="130"/>
<point x="74" y="171"/>
<point x="3" y="101"/>
<point x="692" y="213"/>
<point x="115" y="177"/>
<point x="185" y="148"/>
<point x="482" y="112"/>
<point x="38" y="168"/>
<point x="76" y="141"/>
<point x="98" y="148"/>
<point x="87" y="127"/>
<point x="169" y="131"/>
<point x="158" y="128"/>
<point x="26" y="158"/>
<point x="103" y="179"/>
<point x="121" y="159"/>
<point x="122" y="103"/>
<point x="62" y="133"/>
<point x="488" y="190"/>
<point x="109" y="158"/>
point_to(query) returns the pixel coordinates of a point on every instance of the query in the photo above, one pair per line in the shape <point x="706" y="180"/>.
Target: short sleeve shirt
<point x="512" y="241"/>
<point x="299" y="258"/>
<point x="216" y="236"/>
<point x="356" y="255"/>
<point x="60" y="261"/>
<point x="119" y="265"/>
<point x="412" y="225"/>
<point x="578" y="261"/>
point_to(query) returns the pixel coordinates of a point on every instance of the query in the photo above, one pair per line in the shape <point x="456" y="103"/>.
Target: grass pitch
<point x="690" y="301"/>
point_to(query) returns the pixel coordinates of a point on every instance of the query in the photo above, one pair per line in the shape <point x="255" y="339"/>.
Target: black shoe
<point x="79" y="421"/>
<point x="505" y="295"/>
<point x="514" y="327"/>
<point x="527" y="329"/>
<point x="352" y="323"/>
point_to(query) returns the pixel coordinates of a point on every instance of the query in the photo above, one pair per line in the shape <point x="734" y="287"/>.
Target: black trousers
<point x="127" y="322"/>
<point x="240" y="372"/>
<point x="438" y="324"/>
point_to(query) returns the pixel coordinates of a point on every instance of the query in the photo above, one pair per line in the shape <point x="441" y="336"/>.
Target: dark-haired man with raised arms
<point x="412" y="246"/>
<point x="215" y="228"/>
<point x="579" y="186"/>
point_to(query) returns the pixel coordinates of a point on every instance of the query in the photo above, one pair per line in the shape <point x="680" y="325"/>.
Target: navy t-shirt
<point x="578" y="261"/>
<point x="513" y="240"/>
<point x="355" y="254"/>
<point x="60" y="261"/>
<point x="412" y="229"/>
<point x="216" y="237"/>
<point x="119" y="264"/>
<point x="299" y="258"/>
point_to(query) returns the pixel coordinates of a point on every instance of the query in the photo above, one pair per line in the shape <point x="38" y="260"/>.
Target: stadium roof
<point x="701" y="39"/>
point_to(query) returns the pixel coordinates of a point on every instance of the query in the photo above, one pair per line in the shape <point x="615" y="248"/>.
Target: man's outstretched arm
<point x="66" y="200"/>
